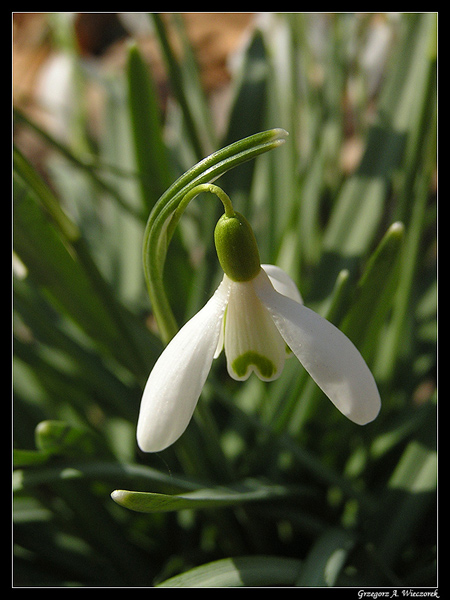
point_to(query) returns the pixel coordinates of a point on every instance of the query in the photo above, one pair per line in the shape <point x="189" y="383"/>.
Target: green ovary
<point x="265" y="367"/>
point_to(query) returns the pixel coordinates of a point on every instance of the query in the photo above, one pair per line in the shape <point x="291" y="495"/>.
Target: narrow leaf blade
<point x="199" y="499"/>
<point x="241" y="571"/>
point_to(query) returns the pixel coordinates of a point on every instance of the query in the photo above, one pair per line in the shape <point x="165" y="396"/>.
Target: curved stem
<point x="204" y="187"/>
<point x="163" y="313"/>
<point x="169" y="208"/>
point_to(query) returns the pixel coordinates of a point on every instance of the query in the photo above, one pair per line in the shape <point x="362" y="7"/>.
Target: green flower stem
<point x="203" y="187"/>
<point x="169" y="208"/>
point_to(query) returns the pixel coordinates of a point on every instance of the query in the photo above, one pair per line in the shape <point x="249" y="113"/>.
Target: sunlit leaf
<point x="245" y="571"/>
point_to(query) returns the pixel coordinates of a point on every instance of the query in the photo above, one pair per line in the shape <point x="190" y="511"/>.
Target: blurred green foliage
<point x="269" y="485"/>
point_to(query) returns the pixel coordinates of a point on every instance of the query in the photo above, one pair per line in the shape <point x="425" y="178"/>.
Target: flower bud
<point x="236" y="248"/>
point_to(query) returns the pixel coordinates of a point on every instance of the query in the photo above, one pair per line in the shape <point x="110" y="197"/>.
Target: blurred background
<point x="109" y="109"/>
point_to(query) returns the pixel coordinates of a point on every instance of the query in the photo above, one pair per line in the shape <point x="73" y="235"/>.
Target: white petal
<point x="252" y="342"/>
<point x="221" y="338"/>
<point x="283" y="283"/>
<point x="177" y="379"/>
<point x="326" y="353"/>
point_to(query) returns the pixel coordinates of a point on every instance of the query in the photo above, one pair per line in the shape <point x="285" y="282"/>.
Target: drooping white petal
<point x="176" y="381"/>
<point x="326" y="353"/>
<point x="283" y="283"/>
<point x="220" y="342"/>
<point x="252" y="342"/>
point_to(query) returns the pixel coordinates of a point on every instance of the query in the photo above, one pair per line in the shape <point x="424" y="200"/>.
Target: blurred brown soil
<point x="102" y="36"/>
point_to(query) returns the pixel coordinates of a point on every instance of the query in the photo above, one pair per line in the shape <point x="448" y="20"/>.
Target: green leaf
<point x="79" y="295"/>
<point x="359" y="207"/>
<point x="56" y="353"/>
<point x="326" y="559"/>
<point x="243" y="571"/>
<point x="196" y="96"/>
<point x="30" y="458"/>
<point x="410" y="493"/>
<point x="200" y="499"/>
<point x="412" y="490"/>
<point x="53" y="266"/>
<point x="375" y="292"/>
<point x="150" y="151"/>
<point x="58" y="437"/>
<point x="58" y="259"/>
<point x="247" y="112"/>
<point x="178" y="87"/>
<point x="103" y="470"/>
<point x="89" y="166"/>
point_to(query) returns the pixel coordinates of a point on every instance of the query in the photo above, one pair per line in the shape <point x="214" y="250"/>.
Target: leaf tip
<point x="119" y="496"/>
<point x="279" y="135"/>
<point x="397" y="228"/>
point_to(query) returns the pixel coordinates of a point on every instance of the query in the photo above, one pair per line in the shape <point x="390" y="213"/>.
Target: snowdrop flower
<point x="254" y="315"/>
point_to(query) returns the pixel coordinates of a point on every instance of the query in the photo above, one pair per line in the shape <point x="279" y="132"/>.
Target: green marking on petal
<point x="262" y="364"/>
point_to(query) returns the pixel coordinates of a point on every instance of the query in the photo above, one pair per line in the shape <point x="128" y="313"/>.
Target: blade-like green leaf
<point x="62" y="438"/>
<point x="178" y="88"/>
<point x="102" y="470"/>
<point x="409" y="498"/>
<point x="359" y="207"/>
<point x="89" y="166"/>
<point x="247" y="114"/>
<point x="326" y="559"/>
<point x="51" y="265"/>
<point x="58" y="259"/>
<point x="150" y="152"/>
<point x="29" y="458"/>
<point x="191" y="72"/>
<point x="243" y="571"/>
<point x="375" y="292"/>
<point x="412" y="490"/>
<point x="57" y="346"/>
<point x="200" y="499"/>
